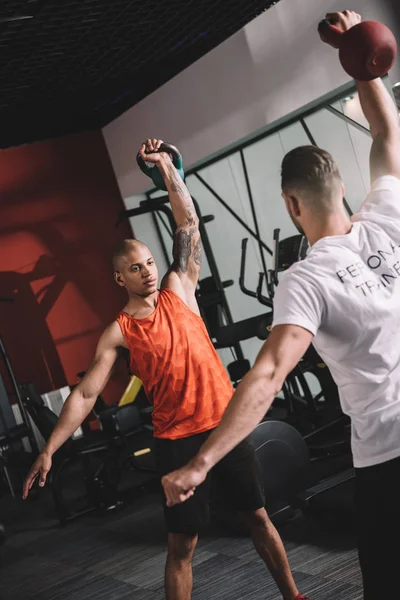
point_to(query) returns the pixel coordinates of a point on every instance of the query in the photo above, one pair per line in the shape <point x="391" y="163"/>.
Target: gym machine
<point x="96" y="461"/>
<point x="11" y="433"/>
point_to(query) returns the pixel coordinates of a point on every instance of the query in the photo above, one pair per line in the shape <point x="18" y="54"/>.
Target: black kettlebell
<point x="154" y="173"/>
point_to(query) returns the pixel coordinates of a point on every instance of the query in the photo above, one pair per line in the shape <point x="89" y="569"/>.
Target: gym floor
<point x="121" y="556"/>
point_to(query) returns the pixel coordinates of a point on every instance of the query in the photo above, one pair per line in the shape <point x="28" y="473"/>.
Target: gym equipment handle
<point x="243" y="269"/>
<point x="260" y="296"/>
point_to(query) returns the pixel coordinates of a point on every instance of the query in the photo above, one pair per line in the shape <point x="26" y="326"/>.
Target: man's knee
<point x="181" y="547"/>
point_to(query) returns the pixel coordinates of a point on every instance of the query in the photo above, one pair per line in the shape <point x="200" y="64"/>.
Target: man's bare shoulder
<point x="112" y="336"/>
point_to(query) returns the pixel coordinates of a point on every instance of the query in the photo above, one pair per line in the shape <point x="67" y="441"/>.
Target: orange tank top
<point x="182" y="374"/>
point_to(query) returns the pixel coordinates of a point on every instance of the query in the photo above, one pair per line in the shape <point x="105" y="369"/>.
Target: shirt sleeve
<point x="383" y="199"/>
<point x="297" y="301"/>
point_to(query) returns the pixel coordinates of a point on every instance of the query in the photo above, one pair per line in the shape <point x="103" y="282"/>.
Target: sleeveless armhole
<point x="121" y="319"/>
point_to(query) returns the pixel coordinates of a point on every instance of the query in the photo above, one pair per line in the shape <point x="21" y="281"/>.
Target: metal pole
<point x="308" y="132"/>
<point x="164" y="224"/>
<point x="253" y="211"/>
<point x="215" y="273"/>
<point x="168" y="212"/>
<point x="13" y="381"/>
<point x="160" y="237"/>
<point x="232" y="212"/>
<point x="348" y="120"/>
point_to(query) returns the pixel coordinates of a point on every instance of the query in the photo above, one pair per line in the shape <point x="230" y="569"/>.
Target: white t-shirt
<point x="346" y="292"/>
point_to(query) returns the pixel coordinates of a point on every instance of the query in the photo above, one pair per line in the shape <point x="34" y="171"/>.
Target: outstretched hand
<point x="40" y="468"/>
<point x="342" y="20"/>
<point x="180" y="485"/>
<point x="149" y="151"/>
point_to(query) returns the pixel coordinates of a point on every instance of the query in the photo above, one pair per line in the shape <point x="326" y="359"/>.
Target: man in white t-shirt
<point x="345" y="297"/>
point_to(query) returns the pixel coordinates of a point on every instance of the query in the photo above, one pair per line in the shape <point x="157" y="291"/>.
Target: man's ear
<point x="292" y="204"/>
<point x="119" y="279"/>
<point x="295" y="206"/>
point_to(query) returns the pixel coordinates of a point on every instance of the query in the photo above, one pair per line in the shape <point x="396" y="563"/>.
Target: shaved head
<point x="123" y="248"/>
<point x="135" y="268"/>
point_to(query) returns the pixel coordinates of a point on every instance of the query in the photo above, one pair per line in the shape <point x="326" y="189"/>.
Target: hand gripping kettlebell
<point x="154" y="173"/>
<point x="366" y="51"/>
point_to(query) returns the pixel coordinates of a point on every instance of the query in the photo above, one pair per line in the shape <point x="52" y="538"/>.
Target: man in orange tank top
<point x="187" y="384"/>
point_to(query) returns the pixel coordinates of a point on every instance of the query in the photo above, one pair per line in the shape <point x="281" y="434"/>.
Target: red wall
<point x="59" y="202"/>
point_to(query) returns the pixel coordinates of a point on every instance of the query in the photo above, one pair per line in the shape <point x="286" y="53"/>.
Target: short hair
<point x="311" y="171"/>
<point x="122" y="248"/>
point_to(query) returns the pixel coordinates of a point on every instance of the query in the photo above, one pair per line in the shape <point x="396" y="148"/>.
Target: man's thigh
<point x="190" y="516"/>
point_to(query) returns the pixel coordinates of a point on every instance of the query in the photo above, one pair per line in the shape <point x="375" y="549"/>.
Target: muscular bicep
<point x="102" y="365"/>
<point x="284" y="348"/>
<point x="385" y="155"/>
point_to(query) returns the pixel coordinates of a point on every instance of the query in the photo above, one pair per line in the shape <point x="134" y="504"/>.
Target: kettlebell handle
<point x="165" y="147"/>
<point x="330" y="33"/>
<point x="170" y="149"/>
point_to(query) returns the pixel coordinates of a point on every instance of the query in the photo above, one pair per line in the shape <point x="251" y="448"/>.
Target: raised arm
<point x="79" y="403"/>
<point x="382" y="116"/>
<point x="379" y="110"/>
<point x="280" y="354"/>
<point x="187" y="243"/>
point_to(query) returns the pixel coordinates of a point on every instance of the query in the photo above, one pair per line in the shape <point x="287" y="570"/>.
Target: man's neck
<point x="331" y="225"/>
<point x="141" y="303"/>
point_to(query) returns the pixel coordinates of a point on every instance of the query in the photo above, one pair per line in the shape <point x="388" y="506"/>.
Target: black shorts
<point x="236" y="475"/>
<point x="378" y="521"/>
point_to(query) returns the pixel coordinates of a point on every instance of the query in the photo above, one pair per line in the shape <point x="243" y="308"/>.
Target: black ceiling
<point x="72" y="65"/>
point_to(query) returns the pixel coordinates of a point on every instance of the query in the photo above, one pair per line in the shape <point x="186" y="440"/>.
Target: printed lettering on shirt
<point x="379" y="271"/>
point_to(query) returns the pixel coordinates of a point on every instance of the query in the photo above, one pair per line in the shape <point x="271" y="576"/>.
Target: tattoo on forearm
<point x="178" y="186"/>
<point x="187" y="244"/>
<point x="197" y="252"/>
<point x="183" y="251"/>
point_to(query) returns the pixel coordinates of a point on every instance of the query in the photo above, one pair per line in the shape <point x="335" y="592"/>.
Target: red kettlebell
<point x="366" y="51"/>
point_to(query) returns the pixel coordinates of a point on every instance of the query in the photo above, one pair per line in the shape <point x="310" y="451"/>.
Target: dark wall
<point x="59" y="202"/>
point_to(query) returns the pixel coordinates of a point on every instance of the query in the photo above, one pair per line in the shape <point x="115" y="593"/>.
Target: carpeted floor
<point x="121" y="556"/>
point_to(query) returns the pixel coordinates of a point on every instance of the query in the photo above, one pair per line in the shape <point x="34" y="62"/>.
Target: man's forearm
<point x="74" y="412"/>
<point x="248" y="406"/>
<point x="378" y="107"/>
<point x="179" y="196"/>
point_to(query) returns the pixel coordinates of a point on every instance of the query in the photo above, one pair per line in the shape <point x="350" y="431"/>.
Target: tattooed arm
<point x="187" y="243"/>
<point x="184" y="272"/>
